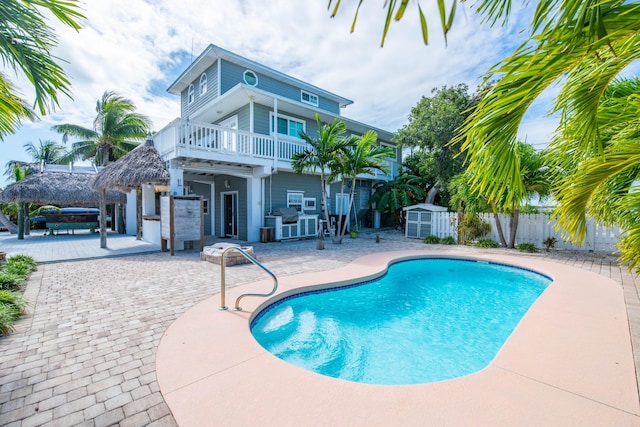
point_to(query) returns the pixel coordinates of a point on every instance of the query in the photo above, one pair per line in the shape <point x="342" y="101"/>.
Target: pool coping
<point x="568" y="362"/>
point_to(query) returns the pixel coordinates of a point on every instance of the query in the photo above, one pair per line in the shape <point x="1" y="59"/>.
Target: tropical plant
<point x="117" y="129"/>
<point x="549" y="243"/>
<point x="472" y="227"/>
<point x="391" y="196"/>
<point x="25" y="48"/>
<point x="361" y="156"/>
<point x="318" y="156"/>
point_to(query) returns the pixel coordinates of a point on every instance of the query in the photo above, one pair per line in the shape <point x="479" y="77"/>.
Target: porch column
<point x="254" y="209"/>
<point x="275" y="134"/>
<point x="176" y="180"/>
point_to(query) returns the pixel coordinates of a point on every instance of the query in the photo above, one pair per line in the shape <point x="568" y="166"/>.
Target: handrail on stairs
<point x="223" y="278"/>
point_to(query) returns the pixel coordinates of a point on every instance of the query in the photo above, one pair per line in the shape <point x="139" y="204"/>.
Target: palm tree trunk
<point x="503" y="241"/>
<point x="5" y="221"/>
<point x="513" y="228"/>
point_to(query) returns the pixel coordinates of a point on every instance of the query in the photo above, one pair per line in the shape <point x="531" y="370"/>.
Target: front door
<point x="230" y="214"/>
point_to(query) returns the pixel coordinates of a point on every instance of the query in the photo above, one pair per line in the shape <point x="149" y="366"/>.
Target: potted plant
<point x="353" y="232"/>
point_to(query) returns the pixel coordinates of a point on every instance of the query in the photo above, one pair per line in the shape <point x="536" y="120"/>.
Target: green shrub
<point x="472" y="227"/>
<point x="12" y="305"/>
<point x="431" y="239"/>
<point x="13" y="299"/>
<point x="449" y="240"/>
<point x="23" y="259"/>
<point x="487" y="243"/>
<point x="527" y="247"/>
<point x="18" y="268"/>
<point x="10" y="281"/>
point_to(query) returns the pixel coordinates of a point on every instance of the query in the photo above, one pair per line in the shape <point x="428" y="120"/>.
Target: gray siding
<point x="283" y="182"/>
<point x="200" y="100"/>
<point x="232" y="74"/>
<point x="203" y="190"/>
<point x="243" y="117"/>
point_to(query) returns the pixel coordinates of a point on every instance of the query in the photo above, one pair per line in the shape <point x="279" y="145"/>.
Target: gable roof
<point x="212" y="53"/>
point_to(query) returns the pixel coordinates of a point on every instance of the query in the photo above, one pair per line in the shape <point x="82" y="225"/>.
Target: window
<point x="203" y="84"/>
<point x="294" y="200"/>
<point x="190" y="94"/>
<point x="288" y="126"/>
<point x="309" y="204"/>
<point x="309" y="98"/>
<point x="205" y="206"/>
<point x="250" y="78"/>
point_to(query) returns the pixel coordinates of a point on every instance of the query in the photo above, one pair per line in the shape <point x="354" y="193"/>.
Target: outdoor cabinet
<point x="181" y="219"/>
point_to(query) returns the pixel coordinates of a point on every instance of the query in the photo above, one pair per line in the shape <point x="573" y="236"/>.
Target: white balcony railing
<point x="208" y="138"/>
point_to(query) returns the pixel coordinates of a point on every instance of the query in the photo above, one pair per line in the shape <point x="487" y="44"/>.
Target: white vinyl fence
<point x="533" y="228"/>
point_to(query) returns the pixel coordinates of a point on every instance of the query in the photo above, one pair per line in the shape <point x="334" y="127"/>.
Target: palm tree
<point x="580" y="45"/>
<point x="320" y="153"/>
<point x="362" y="156"/>
<point x="117" y="129"/>
<point x="604" y="186"/>
<point x="391" y="196"/>
<point x="26" y="43"/>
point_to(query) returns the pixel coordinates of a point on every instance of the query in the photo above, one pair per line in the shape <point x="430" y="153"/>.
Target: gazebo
<point x="58" y="188"/>
<point x="141" y="166"/>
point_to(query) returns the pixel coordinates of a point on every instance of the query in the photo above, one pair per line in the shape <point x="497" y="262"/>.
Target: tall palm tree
<point x="117" y="129"/>
<point x="26" y="42"/>
<point x="363" y="156"/>
<point x="320" y="153"/>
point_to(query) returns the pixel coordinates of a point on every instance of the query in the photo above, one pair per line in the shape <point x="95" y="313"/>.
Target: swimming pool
<point x="423" y="321"/>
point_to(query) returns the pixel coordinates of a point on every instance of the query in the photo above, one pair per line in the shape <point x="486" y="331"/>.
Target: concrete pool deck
<point x="569" y="362"/>
<point x="85" y="353"/>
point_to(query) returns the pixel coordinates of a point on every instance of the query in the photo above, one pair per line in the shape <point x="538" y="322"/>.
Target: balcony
<point x="193" y="140"/>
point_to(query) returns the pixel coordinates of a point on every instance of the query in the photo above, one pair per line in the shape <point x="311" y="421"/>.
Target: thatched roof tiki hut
<point x="57" y="188"/>
<point x="141" y="166"/>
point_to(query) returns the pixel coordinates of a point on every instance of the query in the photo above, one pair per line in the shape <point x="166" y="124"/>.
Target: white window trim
<point x="203" y="84"/>
<point x="244" y="77"/>
<point x="191" y="96"/>
<point x="308" y="203"/>
<point x="297" y="193"/>
<point x="273" y="125"/>
<point x="311" y="95"/>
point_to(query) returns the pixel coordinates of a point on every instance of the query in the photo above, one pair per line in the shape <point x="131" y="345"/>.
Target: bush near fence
<point x="533" y="228"/>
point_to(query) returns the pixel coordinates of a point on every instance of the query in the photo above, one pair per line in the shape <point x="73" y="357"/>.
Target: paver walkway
<point x="85" y="354"/>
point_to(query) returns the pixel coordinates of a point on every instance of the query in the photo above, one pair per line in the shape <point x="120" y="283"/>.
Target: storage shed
<point x="420" y="222"/>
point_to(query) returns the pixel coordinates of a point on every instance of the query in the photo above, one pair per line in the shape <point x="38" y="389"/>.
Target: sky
<point x="137" y="48"/>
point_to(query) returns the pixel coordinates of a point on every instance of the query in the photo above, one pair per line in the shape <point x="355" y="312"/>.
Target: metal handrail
<point x="223" y="277"/>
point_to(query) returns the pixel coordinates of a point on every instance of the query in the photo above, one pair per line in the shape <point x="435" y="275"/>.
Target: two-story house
<point x="233" y="143"/>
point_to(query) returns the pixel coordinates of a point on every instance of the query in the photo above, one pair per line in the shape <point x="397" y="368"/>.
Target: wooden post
<point x="139" y="213"/>
<point x="103" y="218"/>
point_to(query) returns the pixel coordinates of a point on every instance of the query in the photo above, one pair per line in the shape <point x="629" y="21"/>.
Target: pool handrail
<point x="223" y="278"/>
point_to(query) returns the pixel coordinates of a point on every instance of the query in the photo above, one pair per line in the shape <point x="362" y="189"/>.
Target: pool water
<point x="423" y="321"/>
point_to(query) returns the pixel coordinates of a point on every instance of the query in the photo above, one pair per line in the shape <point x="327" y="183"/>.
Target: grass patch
<point x="449" y="240"/>
<point x="431" y="240"/>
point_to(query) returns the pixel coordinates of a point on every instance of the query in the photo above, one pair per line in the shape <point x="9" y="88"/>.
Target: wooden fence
<point x="533" y="228"/>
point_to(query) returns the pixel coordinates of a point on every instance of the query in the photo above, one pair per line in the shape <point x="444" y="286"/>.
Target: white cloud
<point x="135" y="46"/>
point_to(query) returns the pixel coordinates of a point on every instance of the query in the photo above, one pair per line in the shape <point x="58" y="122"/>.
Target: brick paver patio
<point x="85" y="354"/>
